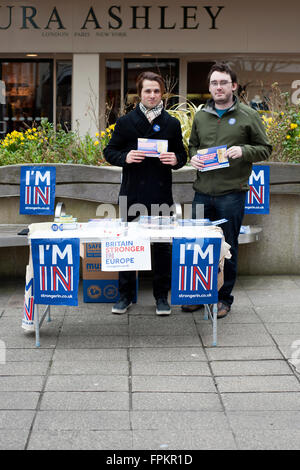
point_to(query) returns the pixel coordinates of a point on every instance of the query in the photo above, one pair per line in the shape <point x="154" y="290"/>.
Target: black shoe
<point x="162" y="307"/>
<point x="121" y="306"/>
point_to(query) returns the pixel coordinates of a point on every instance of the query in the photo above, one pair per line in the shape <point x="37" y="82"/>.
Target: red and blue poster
<point x="37" y="190"/>
<point x="56" y="271"/>
<point x="258" y="196"/>
<point x="195" y="270"/>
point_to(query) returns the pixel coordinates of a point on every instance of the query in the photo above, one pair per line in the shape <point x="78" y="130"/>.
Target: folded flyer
<point x="152" y="147"/>
<point x="213" y="158"/>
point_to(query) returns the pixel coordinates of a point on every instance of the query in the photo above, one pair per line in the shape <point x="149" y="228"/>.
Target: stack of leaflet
<point x="194" y="222"/>
<point x="107" y="227"/>
<point x="64" y="222"/>
<point x="157" y="222"/>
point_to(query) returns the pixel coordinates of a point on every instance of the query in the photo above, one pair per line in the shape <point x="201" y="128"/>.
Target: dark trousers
<point x="161" y="257"/>
<point x="231" y="207"/>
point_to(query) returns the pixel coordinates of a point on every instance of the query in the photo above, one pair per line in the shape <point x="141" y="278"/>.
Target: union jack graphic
<point x="204" y="279"/>
<point x="39" y="195"/>
<point x="196" y="276"/>
<point x="29" y="309"/>
<point x="257" y="194"/>
<point x="57" y="278"/>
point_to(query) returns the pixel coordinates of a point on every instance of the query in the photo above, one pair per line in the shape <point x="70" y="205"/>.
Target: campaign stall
<point x="199" y="251"/>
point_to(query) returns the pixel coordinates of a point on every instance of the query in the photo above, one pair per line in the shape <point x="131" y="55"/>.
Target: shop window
<point x="64" y="94"/>
<point x="26" y="94"/>
<point x="197" y="86"/>
<point x="256" y="75"/>
<point x="113" y="91"/>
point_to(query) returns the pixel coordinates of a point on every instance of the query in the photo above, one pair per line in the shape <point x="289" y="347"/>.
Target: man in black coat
<point x="147" y="180"/>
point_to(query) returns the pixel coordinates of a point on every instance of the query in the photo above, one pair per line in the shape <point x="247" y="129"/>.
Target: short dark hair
<point x="222" y="67"/>
<point x="154" y="77"/>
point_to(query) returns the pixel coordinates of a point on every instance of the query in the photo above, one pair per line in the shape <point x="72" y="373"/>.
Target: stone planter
<point x="82" y="188"/>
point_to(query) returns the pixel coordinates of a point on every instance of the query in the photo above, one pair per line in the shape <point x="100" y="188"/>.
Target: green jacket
<point x="240" y="125"/>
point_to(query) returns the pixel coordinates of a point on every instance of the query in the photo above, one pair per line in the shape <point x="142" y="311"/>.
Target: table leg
<point x="49" y="316"/>
<point x="214" y="320"/>
<point x="37" y="326"/>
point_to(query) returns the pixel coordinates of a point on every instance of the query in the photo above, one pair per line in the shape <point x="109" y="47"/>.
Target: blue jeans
<point x="231" y="207"/>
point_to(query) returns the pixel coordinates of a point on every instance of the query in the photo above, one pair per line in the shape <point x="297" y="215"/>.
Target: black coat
<point x="148" y="182"/>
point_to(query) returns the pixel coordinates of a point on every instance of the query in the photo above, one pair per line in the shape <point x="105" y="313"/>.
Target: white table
<point x="88" y="233"/>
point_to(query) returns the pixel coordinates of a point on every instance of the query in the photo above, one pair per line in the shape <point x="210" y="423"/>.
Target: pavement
<point x="138" y="381"/>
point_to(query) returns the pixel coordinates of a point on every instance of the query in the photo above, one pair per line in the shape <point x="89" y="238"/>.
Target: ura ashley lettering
<point x="115" y="17"/>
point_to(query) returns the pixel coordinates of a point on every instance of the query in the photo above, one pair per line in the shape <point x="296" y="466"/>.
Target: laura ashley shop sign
<point x="110" y="17"/>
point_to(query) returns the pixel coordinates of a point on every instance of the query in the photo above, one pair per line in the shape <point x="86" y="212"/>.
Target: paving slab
<point x="13" y="439"/>
<point x="182" y="354"/>
<point x="179" y="420"/>
<point x="260" y="420"/>
<point x="188" y="440"/>
<point x="268" y="440"/>
<point x="262" y="401"/>
<point x="267" y="383"/>
<point x="240" y="353"/>
<point x="15" y="419"/>
<point x="249" y="368"/>
<point x="19" y="383"/>
<point x="90" y="383"/>
<point x="172" y="384"/>
<point x="87" y="342"/>
<point x="275" y="297"/>
<point x="85" y="401"/>
<point x="176" y="401"/>
<point x="85" y="440"/>
<point x="92" y="367"/>
<point x="82" y="420"/>
<point x="94" y="354"/>
<point x="18" y="400"/>
<point x="171" y="368"/>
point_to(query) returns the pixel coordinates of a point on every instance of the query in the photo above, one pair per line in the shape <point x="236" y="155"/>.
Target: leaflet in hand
<point x="213" y="158"/>
<point x="152" y="147"/>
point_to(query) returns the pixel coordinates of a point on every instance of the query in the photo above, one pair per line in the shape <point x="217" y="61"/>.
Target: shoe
<point x="162" y="307"/>
<point x="121" y="306"/>
<point x="223" y="310"/>
<point x="190" y="308"/>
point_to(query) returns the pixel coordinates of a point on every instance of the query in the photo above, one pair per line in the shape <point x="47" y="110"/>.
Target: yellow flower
<point x="288" y="136"/>
<point x="293" y="126"/>
<point x="97" y="134"/>
<point x="96" y="142"/>
<point x="102" y="134"/>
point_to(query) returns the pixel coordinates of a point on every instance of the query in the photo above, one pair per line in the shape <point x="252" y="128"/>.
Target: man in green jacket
<point x="222" y="192"/>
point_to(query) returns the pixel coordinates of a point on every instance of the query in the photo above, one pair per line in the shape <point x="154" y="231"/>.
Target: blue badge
<point x="156" y="128"/>
<point x="232" y="121"/>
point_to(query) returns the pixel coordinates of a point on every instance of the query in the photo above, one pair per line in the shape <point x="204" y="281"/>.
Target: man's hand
<point x="168" y="158"/>
<point x="234" y="152"/>
<point x="197" y="163"/>
<point x="135" y="156"/>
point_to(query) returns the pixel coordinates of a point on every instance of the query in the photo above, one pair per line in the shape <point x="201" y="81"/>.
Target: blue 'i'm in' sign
<point x="37" y="190"/>
<point x="56" y="271"/>
<point x="258" y="196"/>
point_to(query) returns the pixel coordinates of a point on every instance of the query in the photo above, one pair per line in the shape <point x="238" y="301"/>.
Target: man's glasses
<point x="222" y="83"/>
